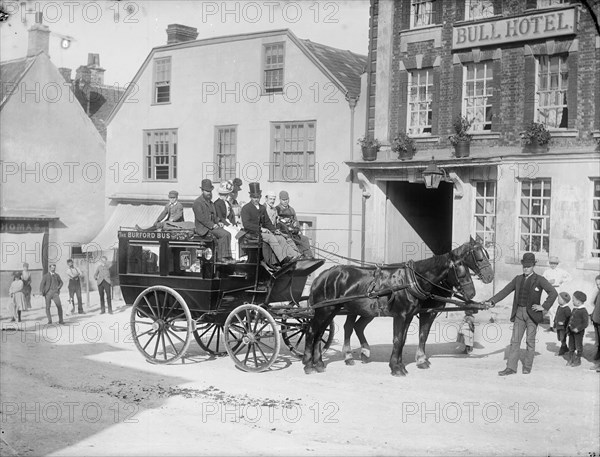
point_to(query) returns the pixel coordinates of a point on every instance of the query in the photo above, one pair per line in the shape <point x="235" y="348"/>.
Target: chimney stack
<point x="177" y="33"/>
<point x="39" y="37"/>
<point x="66" y="73"/>
<point x="97" y="72"/>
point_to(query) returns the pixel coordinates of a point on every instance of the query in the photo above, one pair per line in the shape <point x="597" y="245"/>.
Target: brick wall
<point x="514" y="75"/>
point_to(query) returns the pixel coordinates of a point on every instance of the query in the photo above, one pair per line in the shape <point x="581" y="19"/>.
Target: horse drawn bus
<point x="178" y="291"/>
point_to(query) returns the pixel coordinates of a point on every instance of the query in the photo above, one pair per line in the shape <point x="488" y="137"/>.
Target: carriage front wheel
<point x="161" y="324"/>
<point x="293" y="332"/>
<point x="251" y="338"/>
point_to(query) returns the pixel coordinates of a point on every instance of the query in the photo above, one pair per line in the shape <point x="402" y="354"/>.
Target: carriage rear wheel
<point x="251" y="338"/>
<point x="210" y="338"/>
<point x="161" y="324"/>
<point x="293" y="332"/>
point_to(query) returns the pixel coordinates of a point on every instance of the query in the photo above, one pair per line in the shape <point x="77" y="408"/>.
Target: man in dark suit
<point x="50" y="289"/>
<point x="206" y="222"/>
<point x="526" y="313"/>
<point x="256" y="220"/>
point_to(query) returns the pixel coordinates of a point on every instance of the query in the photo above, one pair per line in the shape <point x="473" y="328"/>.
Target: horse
<point x="475" y="257"/>
<point x="355" y="289"/>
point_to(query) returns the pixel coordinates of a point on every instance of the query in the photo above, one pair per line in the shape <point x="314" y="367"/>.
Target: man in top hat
<point x="206" y="222"/>
<point x="172" y="212"/>
<point x="256" y="221"/>
<point x="526" y="313"/>
<point x="557" y="277"/>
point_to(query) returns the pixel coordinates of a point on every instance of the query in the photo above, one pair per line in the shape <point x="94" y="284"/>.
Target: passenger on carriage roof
<point x="288" y="223"/>
<point x="256" y="221"/>
<point x="172" y="212"/>
<point x="206" y="222"/>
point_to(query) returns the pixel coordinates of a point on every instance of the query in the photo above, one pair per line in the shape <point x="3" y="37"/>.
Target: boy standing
<point x="596" y="321"/>
<point x="561" y="321"/>
<point x="577" y="324"/>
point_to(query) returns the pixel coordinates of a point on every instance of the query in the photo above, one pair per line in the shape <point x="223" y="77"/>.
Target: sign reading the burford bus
<point x="174" y="235"/>
<point x="532" y="27"/>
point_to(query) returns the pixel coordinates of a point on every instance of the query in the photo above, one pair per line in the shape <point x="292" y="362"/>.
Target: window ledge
<point x="422" y="28"/>
<point x="592" y="263"/>
<point x="486" y="135"/>
<point x="564" y="133"/>
<point x="478" y="20"/>
<point x="426" y="139"/>
<point x="160" y="104"/>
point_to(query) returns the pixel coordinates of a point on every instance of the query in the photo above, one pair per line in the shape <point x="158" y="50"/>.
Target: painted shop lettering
<point x="516" y="29"/>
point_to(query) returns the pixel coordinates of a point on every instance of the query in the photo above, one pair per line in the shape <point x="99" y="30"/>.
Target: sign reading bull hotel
<point x="522" y="28"/>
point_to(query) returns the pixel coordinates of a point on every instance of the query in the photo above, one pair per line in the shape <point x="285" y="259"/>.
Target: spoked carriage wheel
<point x="210" y="338"/>
<point x="251" y="338"/>
<point x="293" y="332"/>
<point x="161" y="324"/>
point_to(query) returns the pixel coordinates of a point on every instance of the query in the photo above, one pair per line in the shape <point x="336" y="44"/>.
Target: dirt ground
<point x="84" y="389"/>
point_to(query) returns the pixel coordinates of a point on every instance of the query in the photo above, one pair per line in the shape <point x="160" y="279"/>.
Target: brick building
<point x="503" y="65"/>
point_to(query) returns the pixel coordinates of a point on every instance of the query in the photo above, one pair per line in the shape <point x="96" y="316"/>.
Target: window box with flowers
<point x="369" y="147"/>
<point x="403" y="145"/>
<point x="460" y="139"/>
<point x="536" y="137"/>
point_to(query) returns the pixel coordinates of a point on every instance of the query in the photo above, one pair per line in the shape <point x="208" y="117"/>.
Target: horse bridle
<point x="480" y="258"/>
<point x="457" y="268"/>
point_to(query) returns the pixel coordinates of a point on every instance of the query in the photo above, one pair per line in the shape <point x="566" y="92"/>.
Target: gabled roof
<point x="345" y="65"/>
<point x="11" y="73"/>
<point x="343" y="68"/>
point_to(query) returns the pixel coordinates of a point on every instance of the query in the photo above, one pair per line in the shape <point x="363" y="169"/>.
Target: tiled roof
<point x="102" y="101"/>
<point x="346" y="66"/>
<point x="11" y="73"/>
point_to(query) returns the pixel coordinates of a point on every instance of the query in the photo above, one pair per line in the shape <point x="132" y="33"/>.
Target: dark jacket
<point x="561" y="320"/>
<point x="172" y="213"/>
<point x="47" y="283"/>
<point x="537" y="284"/>
<point x="222" y="215"/>
<point x="253" y="219"/>
<point x="205" y="216"/>
<point x="579" y="320"/>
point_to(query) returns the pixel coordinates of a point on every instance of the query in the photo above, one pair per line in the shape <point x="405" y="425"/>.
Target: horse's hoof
<point x="349" y="362"/>
<point x="365" y="359"/>
<point x="423" y="366"/>
<point x="310" y="370"/>
<point x="320" y="369"/>
<point x="399" y="373"/>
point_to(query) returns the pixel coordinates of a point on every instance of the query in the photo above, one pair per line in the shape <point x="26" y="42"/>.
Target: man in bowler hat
<point x="206" y="222"/>
<point x="50" y="290"/>
<point x="526" y="313"/>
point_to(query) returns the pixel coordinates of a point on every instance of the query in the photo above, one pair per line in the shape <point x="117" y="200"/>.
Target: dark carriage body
<point x="175" y="296"/>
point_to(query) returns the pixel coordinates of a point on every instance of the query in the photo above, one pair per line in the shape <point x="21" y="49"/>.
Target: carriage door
<point x="419" y="220"/>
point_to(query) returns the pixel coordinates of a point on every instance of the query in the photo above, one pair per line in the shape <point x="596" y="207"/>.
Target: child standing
<point x="17" y="297"/>
<point x="466" y="332"/>
<point x="577" y="324"/>
<point x="561" y="321"/>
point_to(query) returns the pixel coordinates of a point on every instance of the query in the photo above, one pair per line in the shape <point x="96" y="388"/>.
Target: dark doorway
<point x="416" y="214"/>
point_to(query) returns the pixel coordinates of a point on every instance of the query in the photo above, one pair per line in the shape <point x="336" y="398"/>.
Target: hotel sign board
<point x="522" y="28"/>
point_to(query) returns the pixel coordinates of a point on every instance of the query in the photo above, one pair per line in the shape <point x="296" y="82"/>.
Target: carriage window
<point x="143" y="258"/>
<point x="187" y="258"/>
<point x="485" y="212"/>
<point x="535" y="215"/>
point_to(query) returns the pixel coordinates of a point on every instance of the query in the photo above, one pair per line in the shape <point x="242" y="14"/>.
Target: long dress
<point x="18" y="299"/>
<point x="26" y="277"/>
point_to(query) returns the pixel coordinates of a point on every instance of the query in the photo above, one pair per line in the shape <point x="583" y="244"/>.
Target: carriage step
<point x="257" y="291"/>
<point x="236" y="276"/>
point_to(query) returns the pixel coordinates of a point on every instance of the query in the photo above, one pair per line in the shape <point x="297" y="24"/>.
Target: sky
<point x="123" y="32"/>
